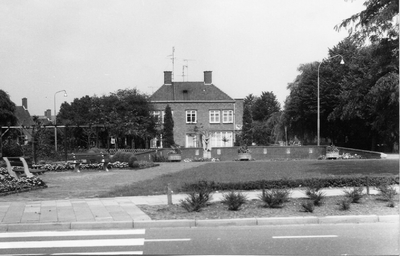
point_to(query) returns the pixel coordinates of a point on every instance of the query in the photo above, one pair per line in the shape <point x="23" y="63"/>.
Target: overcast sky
<point x="94" y="47"/>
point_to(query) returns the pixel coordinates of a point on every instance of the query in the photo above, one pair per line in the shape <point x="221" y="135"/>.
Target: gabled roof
<point x="23" y="116"/>
<point x="189" y="91"/>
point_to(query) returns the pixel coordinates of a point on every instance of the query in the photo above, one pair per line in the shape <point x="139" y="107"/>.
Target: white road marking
<point x="87" y="253"/>
<point x="167" y="240"/>
<point x="316" y="236"/>
<point x="74" y="233"/>
<point x="72" y="243"/>
<point x="102" y="253"/>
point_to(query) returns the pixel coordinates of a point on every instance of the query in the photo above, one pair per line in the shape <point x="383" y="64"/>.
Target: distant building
<point x="25" y="121"/>
<point x="198" y="104"/>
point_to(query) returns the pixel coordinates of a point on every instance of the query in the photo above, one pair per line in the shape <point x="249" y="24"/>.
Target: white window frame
<point x="227" y="116"/>
<point x="215" y="116"/>
<point x="191" y="116"/>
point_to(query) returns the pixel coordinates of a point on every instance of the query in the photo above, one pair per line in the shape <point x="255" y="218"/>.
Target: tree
<point x="264" y="106"/>
<point x="125" y="114"/>
<point x="7" y="116"/>
<point x="376" y="22"/>
<point x="168" y="136"/>
<point x="301" y="104"/>
<point x="247" y="129"/>
<point x="7" y="110"/>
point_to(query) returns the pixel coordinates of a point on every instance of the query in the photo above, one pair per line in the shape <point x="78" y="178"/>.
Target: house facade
<point x="204" y="116"/>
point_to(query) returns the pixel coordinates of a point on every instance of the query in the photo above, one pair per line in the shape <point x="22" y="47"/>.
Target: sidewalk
<point x="122" y="212"/>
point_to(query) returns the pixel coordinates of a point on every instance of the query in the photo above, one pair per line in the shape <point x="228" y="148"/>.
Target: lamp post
<point x="55" y="118"/>
<point x="318" y="114"/>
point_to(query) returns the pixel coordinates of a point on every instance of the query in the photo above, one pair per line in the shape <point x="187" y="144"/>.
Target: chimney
<point x="47" y="113"/>
<point x="168" y="77"/>
<point x="25" y="103"/>
<point x="208" y="77"/>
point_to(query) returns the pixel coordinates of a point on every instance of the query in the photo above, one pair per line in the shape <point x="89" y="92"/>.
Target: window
<point x="227" y="116"/>
<point x="156" y="115"/>
<point x="160" y="116"/>
<point x="191" y="140"/>
<point x="191" y="116"/>
<point x="215" y="116"/>
<point x="222" y="139"/>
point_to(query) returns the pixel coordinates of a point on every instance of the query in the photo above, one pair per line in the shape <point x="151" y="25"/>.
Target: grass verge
<point x="240" y="172"/>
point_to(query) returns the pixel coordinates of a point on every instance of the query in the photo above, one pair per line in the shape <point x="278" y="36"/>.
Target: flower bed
<point x="60" y="167"/>
<point x="9" y="184"/>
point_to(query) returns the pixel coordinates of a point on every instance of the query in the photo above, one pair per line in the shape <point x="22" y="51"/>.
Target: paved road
<point x="339" y="239"/>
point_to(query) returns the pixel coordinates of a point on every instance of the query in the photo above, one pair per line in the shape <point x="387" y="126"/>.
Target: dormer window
<point x="185" y="94"/>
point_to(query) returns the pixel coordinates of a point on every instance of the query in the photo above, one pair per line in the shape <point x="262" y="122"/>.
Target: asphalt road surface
<point x="332" y="239"/>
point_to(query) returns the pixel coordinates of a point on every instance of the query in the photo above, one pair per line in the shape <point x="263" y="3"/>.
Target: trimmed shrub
<point x="275" y="198"/>
<point x="197" y="199"/>
<point x="132" y="160"/>
<point x="126" y="156"/>
<point x="117" y="157"/>
<point x="234" y="200"/>
<point x="354" y="194"/>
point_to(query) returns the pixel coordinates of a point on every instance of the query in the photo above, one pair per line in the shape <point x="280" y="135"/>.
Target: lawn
<point x="259" y="170"/>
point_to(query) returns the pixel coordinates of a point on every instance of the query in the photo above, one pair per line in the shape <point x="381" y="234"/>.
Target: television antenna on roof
<point x="187" y="69"/>
<point x="173" y="61"/>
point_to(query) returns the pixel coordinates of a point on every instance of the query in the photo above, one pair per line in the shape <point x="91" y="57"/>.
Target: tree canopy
<point x="122" y="113"/>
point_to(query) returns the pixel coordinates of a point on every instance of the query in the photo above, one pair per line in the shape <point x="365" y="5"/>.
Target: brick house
<point x="198" y="104"/>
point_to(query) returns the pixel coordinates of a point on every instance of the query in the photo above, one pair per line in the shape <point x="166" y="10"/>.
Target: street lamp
<point x="318" y="118"/>
<point x="55" y="118"/>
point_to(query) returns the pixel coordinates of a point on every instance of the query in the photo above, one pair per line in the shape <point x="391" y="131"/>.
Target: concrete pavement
<point x="122" y="212"/>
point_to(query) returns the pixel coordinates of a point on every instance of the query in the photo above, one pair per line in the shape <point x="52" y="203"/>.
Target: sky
<point x="95" y="47"/>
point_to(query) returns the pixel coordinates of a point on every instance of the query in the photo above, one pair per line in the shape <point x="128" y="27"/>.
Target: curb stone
<point x="188" y="223"/>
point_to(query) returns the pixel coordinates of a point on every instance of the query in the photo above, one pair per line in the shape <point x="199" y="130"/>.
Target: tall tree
<point x="247" y="129"/>
<point x="168" y="136"/>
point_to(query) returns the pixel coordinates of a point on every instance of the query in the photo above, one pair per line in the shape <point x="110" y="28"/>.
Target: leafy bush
<point x="308" y="206"/>
<point x="388" y="192"/>
<point x="317" y="197"/>
<point x="354" y="194"/>
<point x="275" y="198"/>
<point x="344" y="205"/>
<point x="197" y="199"/>
<point x="234" y="200"/>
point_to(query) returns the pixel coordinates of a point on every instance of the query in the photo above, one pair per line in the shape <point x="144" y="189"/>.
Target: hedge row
<point x="295" y="183"/>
